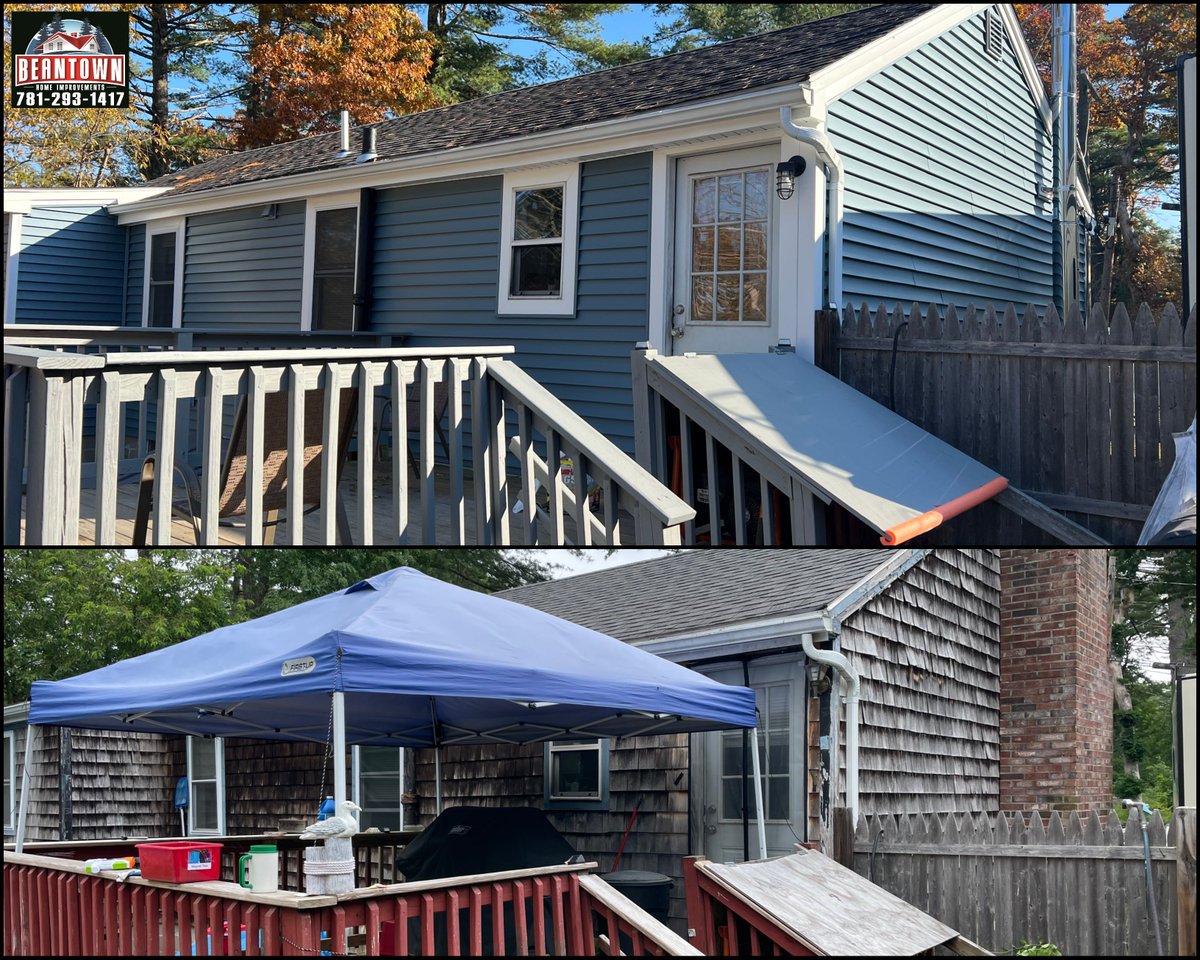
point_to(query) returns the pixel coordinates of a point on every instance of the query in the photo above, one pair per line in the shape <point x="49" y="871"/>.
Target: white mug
<point x="263" y="867"/>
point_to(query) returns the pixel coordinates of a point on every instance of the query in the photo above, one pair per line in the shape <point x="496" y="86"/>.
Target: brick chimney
<point x="1055" y="685"/>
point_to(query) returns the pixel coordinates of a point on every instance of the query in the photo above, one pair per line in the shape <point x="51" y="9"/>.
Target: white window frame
<point x="333" y="201"/>
<point x="10" y="813"/>
<point x="157" y="228"/>
<point x="356" y="777"/>
<point x="563" y="305"/>
<point x="552" y="801"/>
<point x="219" y="759"/>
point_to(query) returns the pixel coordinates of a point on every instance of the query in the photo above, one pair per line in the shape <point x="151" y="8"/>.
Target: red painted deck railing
<point x="723" y="925"/>
<point x="52" y="907"/>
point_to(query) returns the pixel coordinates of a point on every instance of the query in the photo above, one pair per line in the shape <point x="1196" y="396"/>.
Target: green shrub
<point x="1039" y="949"/>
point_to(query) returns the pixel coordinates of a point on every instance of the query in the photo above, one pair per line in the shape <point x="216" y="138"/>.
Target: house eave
<point x="738" y="640"/>
<point x="24" y="199"/>
<point x="694" y="121"/>
<point x="16" y="713"/>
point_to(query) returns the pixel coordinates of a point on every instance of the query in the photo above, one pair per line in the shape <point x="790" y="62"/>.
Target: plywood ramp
<point x="830" y="909"/>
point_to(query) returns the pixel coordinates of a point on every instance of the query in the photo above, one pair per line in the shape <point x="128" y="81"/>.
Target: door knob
<point x="677" y="328"/>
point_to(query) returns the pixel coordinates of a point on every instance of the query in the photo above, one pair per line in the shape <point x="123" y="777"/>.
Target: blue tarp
<point x="409" y="651"/>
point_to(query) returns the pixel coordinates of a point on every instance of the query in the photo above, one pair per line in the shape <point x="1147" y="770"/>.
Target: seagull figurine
<point x="344" y="824"/>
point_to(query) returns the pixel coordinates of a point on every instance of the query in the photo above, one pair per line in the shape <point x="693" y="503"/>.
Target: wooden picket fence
<point x="1079" y="415"/>
<point x="1078" y="883"/>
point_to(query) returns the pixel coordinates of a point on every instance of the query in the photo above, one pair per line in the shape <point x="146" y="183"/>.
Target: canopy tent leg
<point x="758" y="796"/>
<point x="339" y="750"/>
<point x="31" y="732"/>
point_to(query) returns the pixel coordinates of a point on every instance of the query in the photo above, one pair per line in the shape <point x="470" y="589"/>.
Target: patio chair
<point x="232" y="496"/>
<point x="441" y="399"/>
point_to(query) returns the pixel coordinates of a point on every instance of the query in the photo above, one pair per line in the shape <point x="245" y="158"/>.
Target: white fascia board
<point x="24" y="199"/>
<point x="16" y="713"/>
<point x="872" y="584"/>
<point x="735" y="640"/>
<point x="842" y="76"/>
<point x="643" y="132"/>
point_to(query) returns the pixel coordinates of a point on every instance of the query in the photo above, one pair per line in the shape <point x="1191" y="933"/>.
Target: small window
<point x="379" y="786"/>
<point x="538" y="242"/>
<point x="993" y="34"/>
<point x="576" y="775"/>
<point x="10" y="780"/>
<point x="333" y="269"/>
<point x="206" y="785"/>
<point x="160" y="309"/>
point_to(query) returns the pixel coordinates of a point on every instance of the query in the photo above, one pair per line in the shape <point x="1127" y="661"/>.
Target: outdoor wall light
<point x="785" y="177"/>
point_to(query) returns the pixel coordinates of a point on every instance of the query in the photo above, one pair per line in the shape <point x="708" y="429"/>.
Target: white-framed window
<point x="330" y="256"/>
<point x="576" y="775"/>
<point x="378" y="777"/>
<point x="206" y="786"/>
<point x="539" y="240"/>
<point x="10" y="781"/>
<point x="162" y="291"/>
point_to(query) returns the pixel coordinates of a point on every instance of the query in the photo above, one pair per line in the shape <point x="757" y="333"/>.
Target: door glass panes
<point x="728" y="276"/>
<point x="333" y="269"/>
<point x="774" y="741"/>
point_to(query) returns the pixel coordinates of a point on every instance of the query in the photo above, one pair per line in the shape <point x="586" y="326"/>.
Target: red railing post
<point x="475" y="944"/>
<point x="453" y="943"/>
<point x="582" y="943"/>
<point x="699" y="912"/>
<point x="519" y="892"/>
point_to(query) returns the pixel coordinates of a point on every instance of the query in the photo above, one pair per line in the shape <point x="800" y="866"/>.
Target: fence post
<point x="843" y="837"/>
<point x="1185" y="878"/>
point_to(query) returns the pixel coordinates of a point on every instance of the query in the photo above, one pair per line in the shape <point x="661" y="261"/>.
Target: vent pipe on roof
<point x="344" y="152"/>
<point x="1064" y="87"/>
<point x="368" y="145"/>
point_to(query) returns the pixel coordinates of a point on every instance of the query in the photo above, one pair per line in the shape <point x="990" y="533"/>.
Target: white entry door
<point x="726" y="217"/>
<point x="779" y="688"/>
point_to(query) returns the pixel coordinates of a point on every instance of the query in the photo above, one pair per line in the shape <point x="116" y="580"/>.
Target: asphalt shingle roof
<point x="697" y="589"/>
<point x="770" y="59"/>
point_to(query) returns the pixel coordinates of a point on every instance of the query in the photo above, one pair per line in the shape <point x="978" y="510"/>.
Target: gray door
<point x="779" y="686"/>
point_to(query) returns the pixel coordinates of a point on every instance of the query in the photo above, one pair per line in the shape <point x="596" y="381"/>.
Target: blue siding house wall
<point x="943" y="151"/>
<point x="135" y="273"/>
<point x="71" y="267"/>
<point x="436" y="279"/>
<point x="243" y="268"/>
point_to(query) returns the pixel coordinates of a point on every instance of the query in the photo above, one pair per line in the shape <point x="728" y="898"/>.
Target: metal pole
<point x="339" y="750"/>
<point x="31" y="731"/>
<point x="758" y="797"/>
<point x="437" y="777"/>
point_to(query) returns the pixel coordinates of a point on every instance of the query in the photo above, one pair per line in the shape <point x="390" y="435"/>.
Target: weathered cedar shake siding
<point x="927" y="649"/>
<point x="943" y="153"/>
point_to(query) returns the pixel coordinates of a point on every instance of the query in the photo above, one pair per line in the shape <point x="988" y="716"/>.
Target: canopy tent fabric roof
<point x="421" y="663"/>
<point x="884" y="469"/>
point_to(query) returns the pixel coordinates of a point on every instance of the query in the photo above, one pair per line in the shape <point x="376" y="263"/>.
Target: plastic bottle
<point x="327" y="809"/>
<point x="122" y="863"/>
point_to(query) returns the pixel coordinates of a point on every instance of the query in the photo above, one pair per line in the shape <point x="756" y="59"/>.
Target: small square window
<point x="576" y="775"/>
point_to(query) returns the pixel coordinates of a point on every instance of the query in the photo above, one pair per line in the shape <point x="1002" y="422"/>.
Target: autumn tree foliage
<point x="307" y="62"/>
<point x="1133" y="138"/>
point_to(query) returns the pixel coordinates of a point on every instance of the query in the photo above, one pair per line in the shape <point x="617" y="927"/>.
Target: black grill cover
<point x="469" y="840"/>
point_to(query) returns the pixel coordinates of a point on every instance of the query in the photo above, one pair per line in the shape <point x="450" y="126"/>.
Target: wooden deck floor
<point x="384" y="526"/>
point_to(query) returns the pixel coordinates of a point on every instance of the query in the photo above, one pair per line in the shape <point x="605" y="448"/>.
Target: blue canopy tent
<point x="401" y="659"/>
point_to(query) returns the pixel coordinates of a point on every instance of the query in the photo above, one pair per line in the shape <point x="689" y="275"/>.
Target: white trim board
<point x="24" y="199"/>
<point x="12" y="265"/>
<point x="566" y="176"/>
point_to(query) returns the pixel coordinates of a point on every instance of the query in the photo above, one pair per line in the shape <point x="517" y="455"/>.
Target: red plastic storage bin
<point x="180" y="861"/>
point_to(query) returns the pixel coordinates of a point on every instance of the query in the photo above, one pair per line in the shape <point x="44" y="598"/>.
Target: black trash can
<point x="650" y="891"/>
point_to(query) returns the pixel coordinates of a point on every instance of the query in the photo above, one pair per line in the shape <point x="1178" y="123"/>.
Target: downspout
<point x="842" y="666"/>
<point x="815" y="137"/>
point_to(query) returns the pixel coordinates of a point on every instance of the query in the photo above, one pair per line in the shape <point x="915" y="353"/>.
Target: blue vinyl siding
<point x="943" y="151"/>
<point x="135" y="275"/>
<point x="243" y="268"/>
<point x="71" y="267"/>
<point x="436" y="275"/>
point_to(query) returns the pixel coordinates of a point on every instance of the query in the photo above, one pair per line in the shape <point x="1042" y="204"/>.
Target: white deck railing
<point x="492" y="405"/>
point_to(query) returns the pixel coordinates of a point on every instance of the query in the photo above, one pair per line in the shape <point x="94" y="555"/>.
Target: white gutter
<point x="842" y="666"/>
<point x="815" y="137"/>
